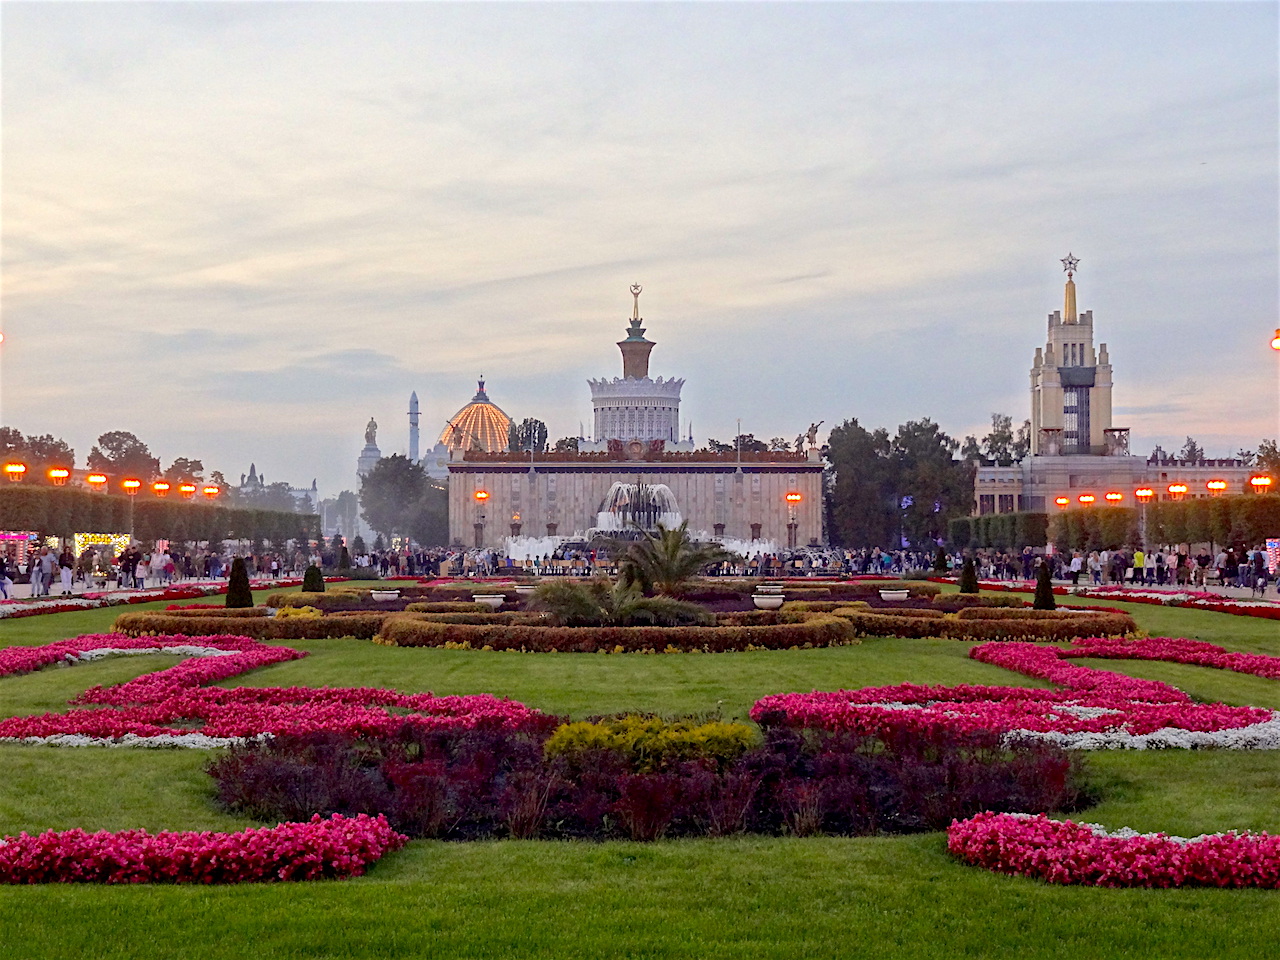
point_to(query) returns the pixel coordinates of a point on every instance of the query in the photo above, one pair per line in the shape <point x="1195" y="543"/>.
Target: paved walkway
<point x="21" y="591"/>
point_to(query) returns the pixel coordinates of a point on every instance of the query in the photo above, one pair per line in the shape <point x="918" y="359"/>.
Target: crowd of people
<point x="50" y="569"/>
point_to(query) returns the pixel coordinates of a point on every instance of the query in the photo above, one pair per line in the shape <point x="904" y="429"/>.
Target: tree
<point x="666" y="560"/>
<point x="932" y="486"/>
<point x="389" y="492"/>
<point x="745" y="442"/>
<point x="428" y="522"/>
<point x="184" y="469"/>
<point x="1269" y="461"/>
<point x="779" y="444"/>
<point x="860" y="486"/>
<point x="566" y="445"/>
<point x="1022" y="442"/>
<point x="998" y="444"/>
<point x="1191" y="452"/>
<point x="238" y="592"/>
<point x="123" y="454"/>
<point x="971" y="449"/>
<point x="274" y="496"/>
<point x="1246" y="457"/>
<point x="38" y="453"/>
<point x="529" y="435"/>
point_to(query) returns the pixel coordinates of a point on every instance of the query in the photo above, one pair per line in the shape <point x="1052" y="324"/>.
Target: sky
<point x="239" y="230"/>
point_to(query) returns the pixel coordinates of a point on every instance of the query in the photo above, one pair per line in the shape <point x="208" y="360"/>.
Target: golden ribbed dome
<point x="480" y="425"/>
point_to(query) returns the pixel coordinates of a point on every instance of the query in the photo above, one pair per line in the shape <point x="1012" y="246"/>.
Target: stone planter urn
<point x="382" y="596"/>
<point x="491" y="600"/>
<point x="893" y="594"/>
<point x="526" y="589"/>
<point x="767" y="601"/>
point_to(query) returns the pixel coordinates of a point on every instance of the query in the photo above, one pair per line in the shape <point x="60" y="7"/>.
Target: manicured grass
<point x="739" y="898"/>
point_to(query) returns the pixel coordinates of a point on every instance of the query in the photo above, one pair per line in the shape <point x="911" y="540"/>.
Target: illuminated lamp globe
<point x="58" y="476"/>
<point x="1062" y="502"/>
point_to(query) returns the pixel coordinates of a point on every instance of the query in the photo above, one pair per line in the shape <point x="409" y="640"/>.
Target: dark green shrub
<point x="344" y="559"/>
<point x="313" y="580"/>
<point x="968" y="577"/>
<point x="940" y="561"/>
<point x="238" y="592"/>
<point x="1044" y="589"/>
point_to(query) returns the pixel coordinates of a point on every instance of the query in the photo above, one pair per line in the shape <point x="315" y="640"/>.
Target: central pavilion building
<point x="774" y="496"/>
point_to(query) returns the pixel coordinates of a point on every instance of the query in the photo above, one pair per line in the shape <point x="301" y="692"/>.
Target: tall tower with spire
<point x="1070" y="382"/>
<point x="413" y="426"/>
<point x="635" y="406"/>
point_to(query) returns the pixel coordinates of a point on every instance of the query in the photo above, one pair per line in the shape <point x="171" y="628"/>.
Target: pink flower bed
<point x="1097" y="709"/>
<point x="173" y="707"/>
<point x="338" y="847"/>
<point x="1060" y="851"/>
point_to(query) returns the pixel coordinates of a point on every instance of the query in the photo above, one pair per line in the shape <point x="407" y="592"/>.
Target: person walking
<point x="66" y="568"/>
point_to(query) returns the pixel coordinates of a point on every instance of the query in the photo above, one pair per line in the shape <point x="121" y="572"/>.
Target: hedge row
<point x="889" y="625"/>
<point x="1001" y="531"/>
<point x="951" y="602"/>
<point x="362" y="626"/>
<point x="1246" y="518"/>
<point x="988" y="613"/>
<point x="816" y="631"/>
<point x="61" y="512"/>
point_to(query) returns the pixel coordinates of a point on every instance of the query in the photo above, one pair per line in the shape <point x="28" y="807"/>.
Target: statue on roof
<point x="371" y="433"/>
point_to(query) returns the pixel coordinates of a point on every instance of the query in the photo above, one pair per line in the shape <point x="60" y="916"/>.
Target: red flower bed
<point x="1059" y="851"/>
<point x="335" y="848"/>
<point x="172" y="707"/>
<point x="1098" y="708"/>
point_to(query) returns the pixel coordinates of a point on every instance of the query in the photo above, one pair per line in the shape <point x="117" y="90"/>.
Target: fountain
<point x="629" y="508"/>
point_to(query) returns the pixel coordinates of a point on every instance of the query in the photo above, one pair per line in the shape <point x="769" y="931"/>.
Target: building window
<point x="1006" y="503"/>
<point x="755" y="531"/>
<point x="719" y="528"/>
<point x="551" y="529"/>
<point x="986" y="503"/>
<point x="1075" y="419"/>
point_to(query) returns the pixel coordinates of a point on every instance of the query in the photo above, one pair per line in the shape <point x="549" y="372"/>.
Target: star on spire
<point x="1069" y="264"/>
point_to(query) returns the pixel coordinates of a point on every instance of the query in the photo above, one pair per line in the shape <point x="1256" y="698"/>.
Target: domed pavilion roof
<point x="480" y="425"/>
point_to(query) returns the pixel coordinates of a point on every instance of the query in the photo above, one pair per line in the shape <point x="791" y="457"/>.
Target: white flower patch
<point x="180" y="650"/>
<point x="164" y="741"/>
<point x="1256" y="736"/>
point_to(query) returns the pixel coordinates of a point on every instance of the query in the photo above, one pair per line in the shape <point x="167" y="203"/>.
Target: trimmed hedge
<point x="951" y="602"/>
<point x="362" y="626"/>
<point x="221" y="612"/>
<point x="888" y="625"/>
<point x="988" y="613"/>
<point x="447" y="606"/>
<point x="816" y="631"/>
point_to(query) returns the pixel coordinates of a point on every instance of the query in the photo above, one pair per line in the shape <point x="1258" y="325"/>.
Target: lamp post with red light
<point x="481" y="498"/>
<point x="186" y="490"/>
<point x="1114" y="497"/>
<point x="1260" y="483"/>
<point x="793" y="500"/>
<point x="1216" y="487"/>
<point x="131" y="486"/>
<point x="96" y="481"/>
<point x="15" y="471"/>
<point x="1177" y="491"/>
<point x="58" y="476"/>
<point x="1143" y="495"/>
<point x="1087" y="499"/>
<point x="210" y="492"/>
<point x="160" y="488"/>
<point x="1062" y="502"/>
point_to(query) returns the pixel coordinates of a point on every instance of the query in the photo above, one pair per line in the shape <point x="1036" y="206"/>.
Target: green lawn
<point x="748" y="897"/>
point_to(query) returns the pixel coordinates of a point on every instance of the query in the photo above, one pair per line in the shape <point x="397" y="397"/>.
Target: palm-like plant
<point x="599" y="603"/>
<point x="665" y="561"/>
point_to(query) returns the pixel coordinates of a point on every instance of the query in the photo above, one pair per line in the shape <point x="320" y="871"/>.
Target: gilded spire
<point x="1069" y="264"/>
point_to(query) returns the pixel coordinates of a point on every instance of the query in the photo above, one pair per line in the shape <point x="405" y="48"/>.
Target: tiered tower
<point x="1070" y="383"/>
<point x="635" y="406"/>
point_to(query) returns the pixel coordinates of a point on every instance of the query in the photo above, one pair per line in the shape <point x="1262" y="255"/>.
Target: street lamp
<point x="1087" y="499"/>
<point x="1260" y="483"/>
<point x="96" y="481"/>
<point x="1177" y="491"/>
<point x="15" y="471"/>
<point x="187" y="490"/>
<point x="1114" y="497"/>
<point x="160" y="488"/>
<point x="481" y="497"/>
<point x="1216" y="487"/>
<point x="1143" y="495"/>
<point x="58" y="476"/>
<point x="1062" y="502"/>
<point x="131" y="486"/>
<point x="793" y="499"/>
<point x="211" y="492"/>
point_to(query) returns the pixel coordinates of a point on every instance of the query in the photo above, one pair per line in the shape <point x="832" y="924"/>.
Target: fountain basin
<point x="767" y="601"/>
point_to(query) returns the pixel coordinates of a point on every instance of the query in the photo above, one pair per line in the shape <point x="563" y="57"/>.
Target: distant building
<point x="1075" y="450"/>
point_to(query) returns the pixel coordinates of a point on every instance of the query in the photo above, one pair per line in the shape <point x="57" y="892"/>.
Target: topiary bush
<point x="940" y="561"/>
<point x="313" y="580"/>
<point x="1044" y="589"/>
<point x="238" y="592"/>
<point x="968" y="577"/>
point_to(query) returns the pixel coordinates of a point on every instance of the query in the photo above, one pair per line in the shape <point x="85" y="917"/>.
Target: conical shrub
<point x="313" y="580"/>
<point x="1044" y="588"/>
<point x="968" y="577"/>
<point x="238" y="592"/>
